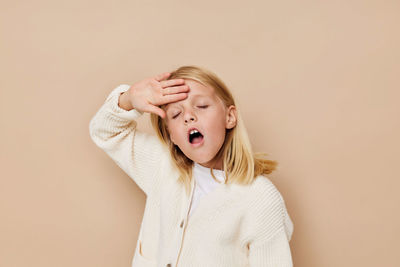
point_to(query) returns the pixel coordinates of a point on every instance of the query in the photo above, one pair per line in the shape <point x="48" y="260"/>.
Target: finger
<point x="172" y="98"/>
<point x="156" y="110"/>
<point x="175" y="89"/>
<point x="162" y="76"/>
<point x="171" y="82"/>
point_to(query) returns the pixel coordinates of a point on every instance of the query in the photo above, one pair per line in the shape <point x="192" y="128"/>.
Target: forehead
<point x="196" y="90"/>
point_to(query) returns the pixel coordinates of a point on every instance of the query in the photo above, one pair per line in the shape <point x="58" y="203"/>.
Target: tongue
<point x="197" y="139"/>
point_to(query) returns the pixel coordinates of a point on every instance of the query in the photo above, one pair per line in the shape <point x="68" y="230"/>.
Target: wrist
<point x="124" y="101"/>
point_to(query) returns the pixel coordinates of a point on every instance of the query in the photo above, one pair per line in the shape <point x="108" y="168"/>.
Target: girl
<point x="209" y="202"/>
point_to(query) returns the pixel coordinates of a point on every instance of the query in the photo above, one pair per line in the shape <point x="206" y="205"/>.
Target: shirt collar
<point x="201" y="171"/>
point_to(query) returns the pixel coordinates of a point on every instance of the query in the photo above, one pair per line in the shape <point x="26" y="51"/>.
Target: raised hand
<point x="148" y="94"/>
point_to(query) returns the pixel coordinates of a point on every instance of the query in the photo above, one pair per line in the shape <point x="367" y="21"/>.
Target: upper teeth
<point x="193" y="131"/>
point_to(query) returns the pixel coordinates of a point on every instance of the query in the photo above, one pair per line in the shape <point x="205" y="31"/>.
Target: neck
<point x="217" y="166"/>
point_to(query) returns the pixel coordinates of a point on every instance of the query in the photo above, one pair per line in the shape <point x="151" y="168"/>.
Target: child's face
<point x="203" y="110"/>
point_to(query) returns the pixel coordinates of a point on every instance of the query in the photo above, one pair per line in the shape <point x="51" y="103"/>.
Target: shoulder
<point x="263" y="189"/>
<point x="261" y="192"/>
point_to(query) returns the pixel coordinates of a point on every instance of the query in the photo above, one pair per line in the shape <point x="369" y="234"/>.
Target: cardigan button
<point x="169" y="265"/>
<point x="182" y="223"/>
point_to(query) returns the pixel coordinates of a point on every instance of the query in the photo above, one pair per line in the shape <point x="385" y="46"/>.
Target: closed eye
<point x="205" y="106"/>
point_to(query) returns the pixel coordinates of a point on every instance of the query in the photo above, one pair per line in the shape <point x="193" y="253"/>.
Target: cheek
<point x="221" y="128"/>
<point x="170" y="132"/>
<point x="175" y="134"/>
<point x="218" y="129"/>
<point x="172" y="135"/>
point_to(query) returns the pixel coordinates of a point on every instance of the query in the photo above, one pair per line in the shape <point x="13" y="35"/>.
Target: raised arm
<point x="114" y="130"/>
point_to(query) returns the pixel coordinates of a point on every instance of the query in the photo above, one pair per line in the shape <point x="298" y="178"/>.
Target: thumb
<point x="162" y="76"/>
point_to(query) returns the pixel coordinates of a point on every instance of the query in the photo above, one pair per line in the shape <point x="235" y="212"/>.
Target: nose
<point x="189" y="116"/>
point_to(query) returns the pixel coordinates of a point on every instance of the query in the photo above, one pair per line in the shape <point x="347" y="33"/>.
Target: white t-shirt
<point x="204" y="183"/>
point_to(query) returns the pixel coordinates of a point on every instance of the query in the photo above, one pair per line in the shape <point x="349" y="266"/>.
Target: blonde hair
<point x="240" y="164"/>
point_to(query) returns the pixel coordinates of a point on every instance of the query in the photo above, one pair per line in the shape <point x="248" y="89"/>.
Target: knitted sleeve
<point x="137" y="153"/>
<point x="271" y="229"/>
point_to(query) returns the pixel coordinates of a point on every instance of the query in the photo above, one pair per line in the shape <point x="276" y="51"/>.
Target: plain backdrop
<point x="317" y="83"/>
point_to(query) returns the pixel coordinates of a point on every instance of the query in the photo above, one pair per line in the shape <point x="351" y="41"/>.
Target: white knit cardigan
<point x="235" y="225"/>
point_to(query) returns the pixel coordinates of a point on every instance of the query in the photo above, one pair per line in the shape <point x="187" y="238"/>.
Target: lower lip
<point x="198" y="144"/>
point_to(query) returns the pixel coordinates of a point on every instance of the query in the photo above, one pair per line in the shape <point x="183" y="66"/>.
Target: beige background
<point x="317" y="83"/>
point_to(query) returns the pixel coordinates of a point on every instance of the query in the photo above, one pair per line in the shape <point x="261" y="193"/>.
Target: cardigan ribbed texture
<point x="234" y="225"/>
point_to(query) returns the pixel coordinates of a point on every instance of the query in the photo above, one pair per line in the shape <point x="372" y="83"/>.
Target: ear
<point x="231" y="117"/>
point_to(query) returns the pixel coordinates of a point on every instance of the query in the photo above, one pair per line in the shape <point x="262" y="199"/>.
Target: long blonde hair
<point x="240" y="164"/>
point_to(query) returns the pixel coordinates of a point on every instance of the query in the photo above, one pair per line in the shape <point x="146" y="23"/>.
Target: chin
<point x="199" y="157"/>
<point x="200" y="160"/>
<point x="206" y="161"/>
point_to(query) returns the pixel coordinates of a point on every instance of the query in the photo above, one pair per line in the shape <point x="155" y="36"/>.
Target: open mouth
<point x="195" y="137"/>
